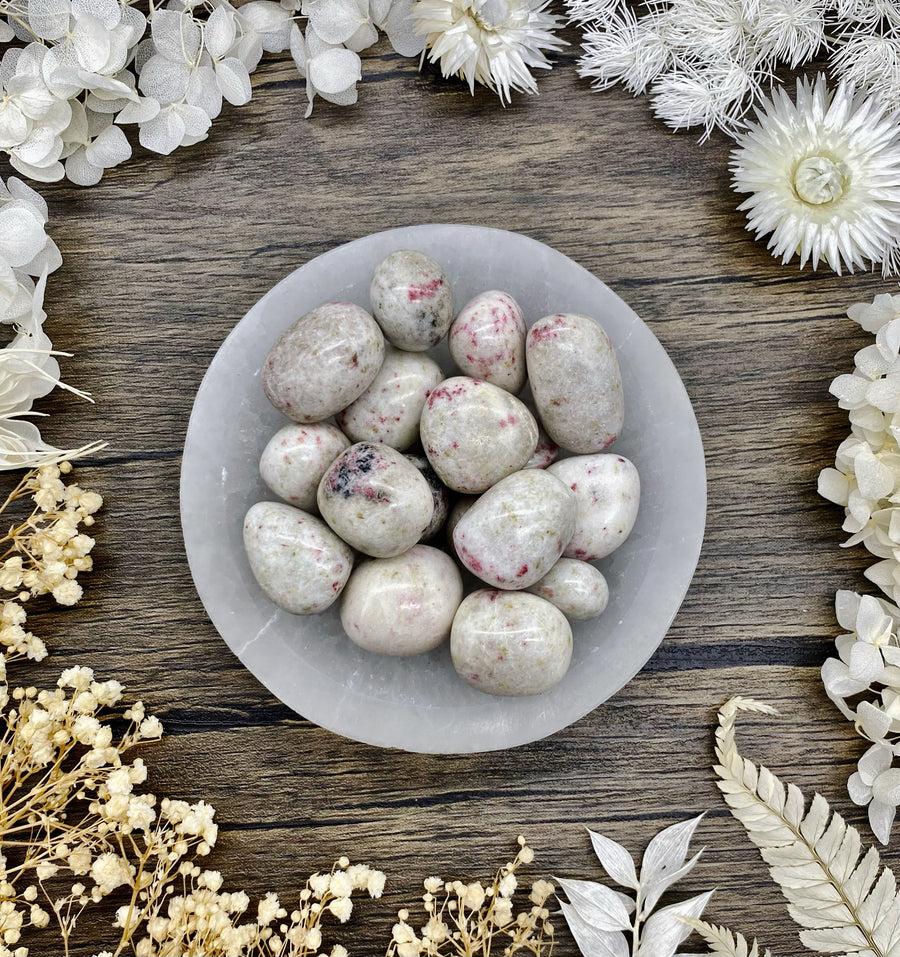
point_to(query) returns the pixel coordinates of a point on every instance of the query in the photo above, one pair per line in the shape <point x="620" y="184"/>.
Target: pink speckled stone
<point x="295" y="557"/>
<point x="514" y="534"/>
<point x="545" y="452"/>
<point x="375" y="499"/>
<point x="295" y="459"/>
<point x="510" y="643"/>
<point x="389" y="410"/>
<point x="575" y="380"/>
<point x="475" y="433"/>
<point x="607" y="491"/>
<point x="487" y="340"/>
<point x="403" y="605"/>
<point x="411" y="300"/>
<point x="578" y="589"/>
<point x="439" y="493"/>
<point x="322" y="362"/>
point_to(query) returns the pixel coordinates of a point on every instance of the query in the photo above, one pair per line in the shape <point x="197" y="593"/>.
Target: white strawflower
<point x="824" y="177"/>
<point x="494" y="42"/>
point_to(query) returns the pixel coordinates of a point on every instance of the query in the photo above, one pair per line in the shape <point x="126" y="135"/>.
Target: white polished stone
<point x="420" y="704"/>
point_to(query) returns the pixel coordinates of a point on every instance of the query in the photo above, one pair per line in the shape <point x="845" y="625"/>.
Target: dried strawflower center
<point x="818" y="180"/>
<point x="491" y="14"/>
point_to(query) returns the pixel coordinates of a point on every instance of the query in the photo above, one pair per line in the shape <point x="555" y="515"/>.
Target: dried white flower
<point x="494" y="42"/>
<point x="824" y="177"/>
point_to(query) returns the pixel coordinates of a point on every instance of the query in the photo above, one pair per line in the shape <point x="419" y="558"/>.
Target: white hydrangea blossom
<point x="706" y="62"/>
<point x="90" y="67"/>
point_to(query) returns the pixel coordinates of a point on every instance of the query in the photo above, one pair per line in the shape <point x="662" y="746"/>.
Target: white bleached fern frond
<point x="845" y="901"/>
<point x="725" y="943"/>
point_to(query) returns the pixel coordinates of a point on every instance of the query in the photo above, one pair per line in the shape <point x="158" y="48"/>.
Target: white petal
<point x="364" y="37"/>
<point x="881" y="817"/>
<point x="6" y="32"/>
<point x="834" y="486"/>
<point x="874" y="762"/>
<point x="334" y="70"/>
<point x="837" y="680"/>
<point x="48" y="18"/>
<point x="108" y="12"/>
<point x="335" y="21"/>
<point x="399" y="28"/>
<point x="163" y="79"/>
<point x="203" y="91"/>
<point x="22" y="234"/>
<point x="196" y="122"/>
<point x="164" y="132"/>
<point x="873" y="721"/>
<point x="176" y="35"/>
<point x="81" y="171"/>
<point x="109" y="85"/>
<point x="219" y="32"/>
<point x="272" y="22"/>
<point x="14" y="125"/>
<point x="234" y="81"/>
<point x="860" y="792"/>
<point x="135" y="21"/>
<point x="91" y="43"/>
<point x="48" y="260"/>
<point x="140" y="112"/>
<point x="299" y="52"/>
<point x="249" y="50"/>
<point x="871" y="621"/>
<point x="22" y="191"/>
<point x="109" y="149"/>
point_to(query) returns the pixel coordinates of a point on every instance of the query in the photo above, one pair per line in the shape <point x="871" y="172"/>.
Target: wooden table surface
<point x="165" y="256"/>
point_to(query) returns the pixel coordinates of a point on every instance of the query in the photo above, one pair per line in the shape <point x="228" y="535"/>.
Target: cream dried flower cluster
<point x="704" y="62"/>
<point x="471" y="918"/>
<point x="43" y="554"/>
<point x="866" y="476"/>
<point x="28" y="366"/>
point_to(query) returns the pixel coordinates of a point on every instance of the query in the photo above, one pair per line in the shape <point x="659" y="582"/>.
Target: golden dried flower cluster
<point x="469" y="917"/>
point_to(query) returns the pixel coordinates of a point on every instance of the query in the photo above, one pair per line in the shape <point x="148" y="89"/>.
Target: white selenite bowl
<point x="419" y="703"/>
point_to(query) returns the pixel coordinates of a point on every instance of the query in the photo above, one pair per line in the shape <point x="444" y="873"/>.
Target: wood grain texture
<point x="165" y="256"/>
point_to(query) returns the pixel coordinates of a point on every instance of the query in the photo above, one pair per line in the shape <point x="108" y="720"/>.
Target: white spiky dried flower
<point x="823" y="172"/>
<point x="493" y="42"/>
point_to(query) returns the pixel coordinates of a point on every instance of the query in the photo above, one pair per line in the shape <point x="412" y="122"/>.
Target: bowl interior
<point x="418" y="703"/>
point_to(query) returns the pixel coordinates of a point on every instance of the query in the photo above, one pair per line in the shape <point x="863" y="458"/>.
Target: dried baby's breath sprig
<point x="43" y="554"/>
<point x="470" y="919"/>
<point x="600" y="917"/>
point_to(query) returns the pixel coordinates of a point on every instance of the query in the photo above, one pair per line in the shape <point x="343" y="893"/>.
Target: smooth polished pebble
<point x="323" y="362"/>
<point x="514" y="534"/>
<point x="298" y="561"/>
<point x="411" y="300"/>
<point x="545" y="452"/>
<point x="510" y="643"/>
<point x="487" y="340"/>
<point x="402" y="605"/>
<point x="375" y="499"/>
<point x="390" y="409"/>
<point x="575" y="380"/>
<point x="475" y="433"/>
<point x="607" y="491"/>
<point x="295" y="459"/>
<point x="459" y="508"/>
<point x="439" y="492"/>
<point x="578" y="590"/>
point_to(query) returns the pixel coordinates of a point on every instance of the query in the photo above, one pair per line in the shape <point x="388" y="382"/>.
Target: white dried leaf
<point x="665" y="854"/>
<point x="6" y="32"/>
<point x="332" y="71"/>
<point x="591" y="941"/>
<point x="724" y="942"/>
<point x="271" y="23"/>
<point x="666" y="929"/>
<point x="616" y="860"/>
<point x="80" y="171"/>
<point x="163" y="79"/>
<point x="829" y="889"/>
<point x="108" y="12"/>
<point x="600" y="906"/>
<point x="144" y="110"/>
<point x="164" y="133"/>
